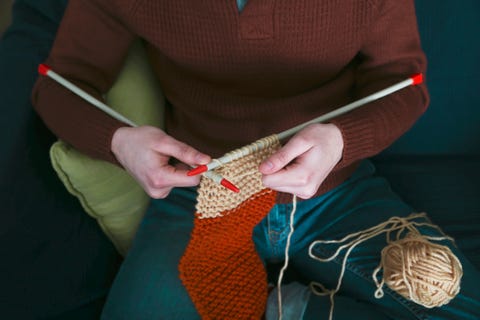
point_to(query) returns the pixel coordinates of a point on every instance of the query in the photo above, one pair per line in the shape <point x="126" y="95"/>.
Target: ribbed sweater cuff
<point x="86" y="128"/>
<point x="358" y="138"/>
<point x="104" y="129"/>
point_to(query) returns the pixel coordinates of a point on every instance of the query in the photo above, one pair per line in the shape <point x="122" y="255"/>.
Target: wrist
<point x="336" y="138"/>
<point x="117" y="140"/>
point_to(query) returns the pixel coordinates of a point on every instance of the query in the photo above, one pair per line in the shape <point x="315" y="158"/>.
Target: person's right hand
<point x="145" y="153"/>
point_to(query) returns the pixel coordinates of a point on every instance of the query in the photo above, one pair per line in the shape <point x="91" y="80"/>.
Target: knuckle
<point x="151" y="193"/>
<point x="303" y="179"/>
<point x="306" y="193"/>
<point x="156" y="182"/>
<point x="184" y="149"/>
<point x="314" y="128"/>
<point x="308" y="189"/>
<point x="281" y="158"/>
<point x="310" y="193"/>
<point x="266" y="182"/>
<point x="158" y="194"/>
<point x="302" y="139"/>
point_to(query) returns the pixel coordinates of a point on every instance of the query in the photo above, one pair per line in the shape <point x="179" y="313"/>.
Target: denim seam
<point x="275" y="237"/>
<point x="409" y="305"/>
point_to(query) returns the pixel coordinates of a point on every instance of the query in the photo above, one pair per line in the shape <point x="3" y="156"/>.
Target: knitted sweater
<point x="232" y="77"/>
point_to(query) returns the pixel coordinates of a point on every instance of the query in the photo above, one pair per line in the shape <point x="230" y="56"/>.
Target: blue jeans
<point x="148" y="286"/>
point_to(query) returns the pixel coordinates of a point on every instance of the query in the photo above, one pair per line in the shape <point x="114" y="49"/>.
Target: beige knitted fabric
<point x="213" y="199"/>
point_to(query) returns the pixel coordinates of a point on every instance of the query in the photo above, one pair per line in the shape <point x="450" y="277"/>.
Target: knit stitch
<point x="221" y="269"/>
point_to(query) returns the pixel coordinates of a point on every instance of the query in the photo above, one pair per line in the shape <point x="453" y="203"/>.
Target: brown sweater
<point x="231" y="78"/>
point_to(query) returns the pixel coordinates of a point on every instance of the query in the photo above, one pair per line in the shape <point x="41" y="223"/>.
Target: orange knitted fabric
<point x="221" y="269"/>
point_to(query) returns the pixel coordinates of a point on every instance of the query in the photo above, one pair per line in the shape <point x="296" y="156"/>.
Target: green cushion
<point x="107" y="192"/>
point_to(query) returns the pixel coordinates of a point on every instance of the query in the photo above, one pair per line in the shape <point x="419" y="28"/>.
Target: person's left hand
<point x="305" y="161"/>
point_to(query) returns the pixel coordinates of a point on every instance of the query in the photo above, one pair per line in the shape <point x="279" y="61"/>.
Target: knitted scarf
<point x="221" y="269"/>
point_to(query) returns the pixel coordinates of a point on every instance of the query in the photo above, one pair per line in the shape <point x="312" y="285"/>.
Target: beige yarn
<point x="213" y="199"/>
<point x="426" y="273"/>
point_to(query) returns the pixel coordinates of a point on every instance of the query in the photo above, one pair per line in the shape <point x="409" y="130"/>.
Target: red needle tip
<point x="43" y="69"/>
<point x="198" y="170"/>
<point x="227" y="184"/>
<point x="417" y="79"/>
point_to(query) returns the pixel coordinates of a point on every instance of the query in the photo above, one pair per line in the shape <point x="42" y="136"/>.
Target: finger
<point x="293" y="182"/>
<point x="302" y="177"/>
<point x="169" y="176"/>
<point x="293" y="176"/>
<point x="280" y="159"/>
<point x="181" y="151"/>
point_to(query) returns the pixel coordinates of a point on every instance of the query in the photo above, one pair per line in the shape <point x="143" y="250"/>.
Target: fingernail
<point x="268" y="165"/>
<point x="201" y="158"/>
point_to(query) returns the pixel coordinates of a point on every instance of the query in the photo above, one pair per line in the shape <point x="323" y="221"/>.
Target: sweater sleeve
<point x="391" y="53"/>
<point x="89" y="50"/>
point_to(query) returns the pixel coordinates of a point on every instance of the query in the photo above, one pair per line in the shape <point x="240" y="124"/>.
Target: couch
<point x="56" y="263"/>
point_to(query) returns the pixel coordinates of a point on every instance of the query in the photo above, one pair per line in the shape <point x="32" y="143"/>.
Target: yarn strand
<point x="430" y="273"/>
<point x="285" y="265"/>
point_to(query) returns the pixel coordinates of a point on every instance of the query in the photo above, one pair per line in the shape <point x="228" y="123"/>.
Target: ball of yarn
<point x="426" y="273"/>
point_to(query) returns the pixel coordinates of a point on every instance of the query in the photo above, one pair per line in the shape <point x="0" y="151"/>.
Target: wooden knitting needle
<point x="47" y="71"/>
<point x="266" y="142"/>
